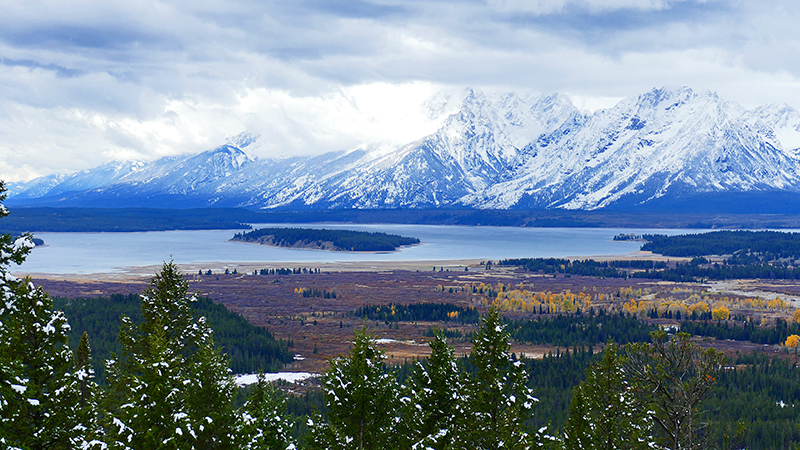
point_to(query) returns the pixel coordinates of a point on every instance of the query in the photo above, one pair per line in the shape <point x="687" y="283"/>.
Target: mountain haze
<point x="670" y="148"/>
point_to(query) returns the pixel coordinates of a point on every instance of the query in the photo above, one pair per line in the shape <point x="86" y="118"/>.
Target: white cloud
<point x="544" y="7"/>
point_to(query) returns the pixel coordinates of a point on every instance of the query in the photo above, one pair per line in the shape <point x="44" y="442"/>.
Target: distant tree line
<point x="581" y="330"/>
<point x="315" y="292"/>
<point x="747" y="331"/>
<point x="774" y="243"/>
<point x="343" y="240"/>
<point x="123" y="220"/>
<point x="418" y="312"/>
<point x="588" y="267"/>
<point x="699" y="268"/>
<point x="287" y="271"/>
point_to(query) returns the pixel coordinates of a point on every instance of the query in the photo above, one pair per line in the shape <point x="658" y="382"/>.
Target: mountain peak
<point x="243" y="139"/>
<point x="493" y="151"/>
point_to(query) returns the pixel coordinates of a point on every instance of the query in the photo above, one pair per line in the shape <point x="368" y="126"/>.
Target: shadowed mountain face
<point x="665" y="149"/>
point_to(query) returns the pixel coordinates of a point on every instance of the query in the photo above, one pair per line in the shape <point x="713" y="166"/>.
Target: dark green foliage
<point x="436" y="386"/>
<point x="345" y="240"/>
<point x="250" y="348"/>
<point x="169" y="387"/>
<point x="362" y="399"/>
<point x="553" y="379"/>
<point x="44" y="409"/>
<point x="418" y="312"/>
<point x="604" y="413"/>
<point x="694" y="271"/>
<point x="265" y="422"/>
<point x="497" y="400"/>
<point x="740" y="265"/>
<point x="588" y="267"/>
<point x="763" y="394"/>
<point x="747" y="331"/>
<point x="314" y="292"/>
<point x="773" y="243"/>
<point x="284" y="271"/>
<point x="580" y="330"/>
<point x="672" y="377"/>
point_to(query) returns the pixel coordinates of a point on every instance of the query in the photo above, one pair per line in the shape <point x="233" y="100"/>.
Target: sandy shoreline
<point x="145" y="272"/>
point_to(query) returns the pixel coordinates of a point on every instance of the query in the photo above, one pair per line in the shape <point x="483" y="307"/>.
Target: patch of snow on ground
<point x="291" y="377"/>
<point x="389" y="341"/>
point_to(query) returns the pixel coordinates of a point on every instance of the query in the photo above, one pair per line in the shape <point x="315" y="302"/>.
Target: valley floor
<point x="321" y="328"/>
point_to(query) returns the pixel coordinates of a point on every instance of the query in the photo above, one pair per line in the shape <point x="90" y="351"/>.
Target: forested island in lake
<point x="324" y="239"/>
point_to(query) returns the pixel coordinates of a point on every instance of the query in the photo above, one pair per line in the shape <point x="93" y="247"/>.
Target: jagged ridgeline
<point x="324" y="239"/>
<point x="250" y="348"/>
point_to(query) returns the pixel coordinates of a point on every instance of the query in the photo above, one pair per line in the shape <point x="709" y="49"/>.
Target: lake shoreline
<point x="133" y="273"/>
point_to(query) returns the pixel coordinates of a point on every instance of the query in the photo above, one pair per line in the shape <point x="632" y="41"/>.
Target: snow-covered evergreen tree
<point x="498" y="400"/>
<point x="436" y="393"/>
<point x="87" y="408"/>
<point x="605" y="413"/>
<point x="44" y="409"/>
<point x="363" y="399"/>
<point x="170" y="388"/>
<point x="39" y="379"/>
<point x="265" y="424"/>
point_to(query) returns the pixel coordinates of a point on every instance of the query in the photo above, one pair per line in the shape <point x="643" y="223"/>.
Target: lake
<point x="86" y="253"/>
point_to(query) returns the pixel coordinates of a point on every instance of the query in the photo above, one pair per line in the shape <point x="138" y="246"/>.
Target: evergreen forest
<point x="340" y="240"/>
<point x="251" y="349"/>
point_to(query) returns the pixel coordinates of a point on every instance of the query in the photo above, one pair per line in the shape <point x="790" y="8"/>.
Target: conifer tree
<point x="436" y="393"/>
<point x="88" y="391"/>
<point x="363" y="402"/>
<point x="498" y="400"/>
<point x="39" y="381"/>
<point x="170" y="388"/>
<point x="604" y="413"/>
<point x="265" y="424"/>
<point x="43" y="409"/>
<point x="672" y="378"/>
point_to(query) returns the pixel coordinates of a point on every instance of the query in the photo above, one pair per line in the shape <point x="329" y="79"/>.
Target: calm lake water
<point x="84" y="253"/>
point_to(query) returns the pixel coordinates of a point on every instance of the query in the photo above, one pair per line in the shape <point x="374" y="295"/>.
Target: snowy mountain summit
<point x="668" y="148"/>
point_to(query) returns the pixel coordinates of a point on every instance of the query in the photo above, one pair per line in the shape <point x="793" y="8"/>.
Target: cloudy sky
<point x="86" y="82"/>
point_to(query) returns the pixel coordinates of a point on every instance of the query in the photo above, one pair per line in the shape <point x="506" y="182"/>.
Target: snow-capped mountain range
<point x="501" y="151"/>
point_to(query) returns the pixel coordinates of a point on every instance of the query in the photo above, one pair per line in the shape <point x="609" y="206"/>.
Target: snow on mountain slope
<point x="499" y="151"/>
<point x="783" y="120"/>
<point x="665" y="141"/>
<point x="471" y="150"/>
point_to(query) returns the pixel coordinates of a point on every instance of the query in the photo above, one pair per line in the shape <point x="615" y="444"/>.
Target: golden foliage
<point x="720" y="313"/>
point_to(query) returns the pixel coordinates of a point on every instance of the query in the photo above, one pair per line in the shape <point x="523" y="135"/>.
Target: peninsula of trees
<point x="323" y="239"/>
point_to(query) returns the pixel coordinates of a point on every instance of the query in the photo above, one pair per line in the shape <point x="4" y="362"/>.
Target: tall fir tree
<point x="44" y="410"/>
<point x="436" y="387"/>
<point x="170" y="388"/>
<point x="87" y="408"/>
<point x="498" y="400"/>
<point x="363" y="401"/>
<point x="39" y="379"/>
<point x="605" y="414"/>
